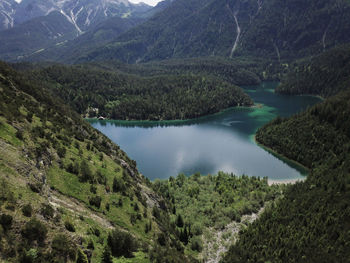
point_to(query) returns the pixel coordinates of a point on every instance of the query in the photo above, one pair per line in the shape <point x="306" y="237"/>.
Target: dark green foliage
<point x="93" y="189"/>
<point x="27" y="210"/>
<point x="313" y="215"/>
<point x="196" y="244"/>
<point x="179" y="221"/>
<point x="322" y="133"/>
<point x="81" y="258"/>
<point x="69" y="226"/>
<point x="85" y="172"/>
<point x="118" y="185"/>
<point x="324" y="75"/>
<point x="19" y="134"/>
<point x="107" y="255"/>
<point x="162" y="240"/>
<point x="129" y="97"/>
<point x="61" y="151"/>
<point x="47" y="211"/>
<point x="91" y="245"/>
<point x="34" y="230"/>
<point x="63" y="248"/>
<point x="95" y="201"/>
<point x="6" y="221"/>
<point x="121" y="243"/>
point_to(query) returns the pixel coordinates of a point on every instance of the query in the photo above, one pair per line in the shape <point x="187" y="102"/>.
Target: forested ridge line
<point x="325" y="75"/>
<point x="115" y="95"/>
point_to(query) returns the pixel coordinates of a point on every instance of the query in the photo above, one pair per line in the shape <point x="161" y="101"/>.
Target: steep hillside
<point x="324" y="75"/>
<point x="314" y="214"/>
<point x="67" y="193"/>
<point x="269" y="28"/>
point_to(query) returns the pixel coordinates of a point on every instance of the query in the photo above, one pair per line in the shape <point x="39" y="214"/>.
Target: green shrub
<point x="95" y="201"/>
<point x="63" y="248"/>
<point x="27" y="210"/>
<point x="196" y="244"/>
<point x="118" y="185"/>
<point x="47" y="211"/>
<point x="82" y="258"/>
<point x="6" y="221"/>
<point x="69" y="226"/>
<point x="121" y="243"/>
<point x="107" y="255"/>
<point x="34" y="230"/>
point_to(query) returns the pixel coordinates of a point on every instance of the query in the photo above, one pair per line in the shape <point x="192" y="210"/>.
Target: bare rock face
<point x="7" y="10"/>
<point x="80" y="13"/>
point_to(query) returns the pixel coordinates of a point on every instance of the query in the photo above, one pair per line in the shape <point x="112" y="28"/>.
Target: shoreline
<point x="258" y="105"/>
<point x="284" y="158"/>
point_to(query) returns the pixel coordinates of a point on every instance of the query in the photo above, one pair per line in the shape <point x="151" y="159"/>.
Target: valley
<point x="199" y="131"/>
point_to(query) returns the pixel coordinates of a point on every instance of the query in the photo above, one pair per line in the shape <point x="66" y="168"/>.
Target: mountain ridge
<point x="231" y="28"/>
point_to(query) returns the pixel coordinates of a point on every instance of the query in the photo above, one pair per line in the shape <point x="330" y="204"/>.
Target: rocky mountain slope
<point x="34" y="26"/>
<point x="81" y="14"/>
<point x="7" y="10"/>
<point x="269" y="28"/>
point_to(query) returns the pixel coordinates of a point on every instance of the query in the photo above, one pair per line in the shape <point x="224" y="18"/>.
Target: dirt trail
<point x="76" y="207"/>
<point x="221" y="240"/>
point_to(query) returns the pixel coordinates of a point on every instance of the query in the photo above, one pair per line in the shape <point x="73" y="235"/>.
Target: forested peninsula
<point x="117" y="95"/>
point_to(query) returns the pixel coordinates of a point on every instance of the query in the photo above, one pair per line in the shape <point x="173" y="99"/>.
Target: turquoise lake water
<point x="220" y="142"/>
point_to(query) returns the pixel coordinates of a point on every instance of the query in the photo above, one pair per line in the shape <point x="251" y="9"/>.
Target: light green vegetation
<point x="207" y="204"/>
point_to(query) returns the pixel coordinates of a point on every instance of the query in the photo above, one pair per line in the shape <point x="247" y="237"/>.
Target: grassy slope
<point x="39" y="140"/>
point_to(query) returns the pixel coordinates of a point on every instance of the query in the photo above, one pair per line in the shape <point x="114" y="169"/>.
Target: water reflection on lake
<point x="221" y="142"/>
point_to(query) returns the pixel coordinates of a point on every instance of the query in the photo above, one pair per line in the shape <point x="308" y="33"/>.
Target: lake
<point x="220" y="142"/>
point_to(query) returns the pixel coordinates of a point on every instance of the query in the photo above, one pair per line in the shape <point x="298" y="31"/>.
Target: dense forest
<point x="67" y="193"/>
<point x="324" y="75"/>
<point x="313" y="215"/>
<point x="238" y="72"/>
<point x="115" y="95"/>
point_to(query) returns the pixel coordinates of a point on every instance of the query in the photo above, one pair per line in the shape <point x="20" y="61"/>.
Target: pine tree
<point x="107" y="255"/>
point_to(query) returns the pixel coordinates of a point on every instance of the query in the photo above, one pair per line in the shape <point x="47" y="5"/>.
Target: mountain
<point x="55" y="32"/>
<point x="158" y="8"/>
<point x="313" y="215"/>
<point x="270" y="28"/>
<point x="67" y="193"/>
<point x="82" y="14"/>
<point x="325" y="75"/>
<point x="7" y="10"/>
<point x="35" y="35"/>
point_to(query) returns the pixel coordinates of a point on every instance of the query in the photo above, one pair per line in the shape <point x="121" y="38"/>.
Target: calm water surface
<point x="221" y="142"/>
